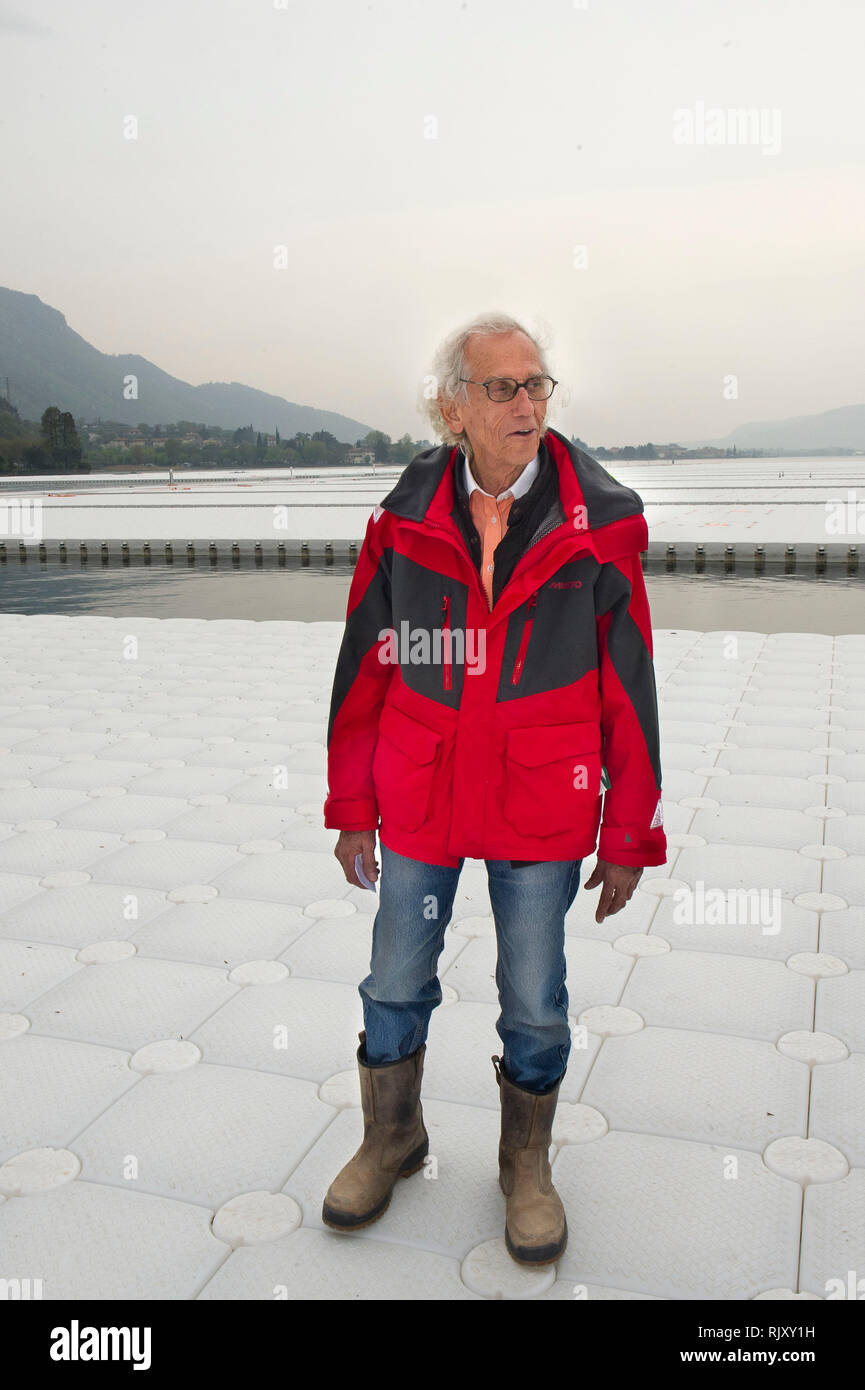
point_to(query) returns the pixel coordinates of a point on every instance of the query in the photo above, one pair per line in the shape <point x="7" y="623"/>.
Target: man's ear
<point x="450" y="415"/>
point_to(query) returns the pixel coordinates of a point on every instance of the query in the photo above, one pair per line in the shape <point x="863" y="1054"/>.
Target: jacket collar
<point x="608" y="517"/>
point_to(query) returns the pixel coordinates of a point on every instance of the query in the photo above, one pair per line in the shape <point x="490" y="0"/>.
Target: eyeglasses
<point x="504" y="388"/>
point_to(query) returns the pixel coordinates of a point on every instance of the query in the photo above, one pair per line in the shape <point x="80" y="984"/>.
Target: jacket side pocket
<point x="404" y="768"/>
<point x="553" y="777"/>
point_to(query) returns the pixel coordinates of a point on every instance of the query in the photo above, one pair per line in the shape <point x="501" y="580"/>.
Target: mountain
<point x="47" y="363"/>
<point x="843" y="428"/>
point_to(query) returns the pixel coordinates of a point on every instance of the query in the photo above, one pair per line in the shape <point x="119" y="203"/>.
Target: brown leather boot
<point x="536" y="1231"/>
<point x="395" y="1141"/>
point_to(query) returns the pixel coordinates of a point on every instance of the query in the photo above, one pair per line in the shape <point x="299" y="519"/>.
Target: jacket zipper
<point x="438" y="527"/>
<point x="546" y="531"/>
<point x="446" y="655"/>
<point x="463" y="551"/>
<point x="472" y="566"/>
<point x="524" y="640"/>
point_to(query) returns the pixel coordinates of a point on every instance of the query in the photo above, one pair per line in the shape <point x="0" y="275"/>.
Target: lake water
<point x="713" y="600"/>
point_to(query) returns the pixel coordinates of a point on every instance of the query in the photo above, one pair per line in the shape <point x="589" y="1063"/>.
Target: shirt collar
<point x="517" y="489"/>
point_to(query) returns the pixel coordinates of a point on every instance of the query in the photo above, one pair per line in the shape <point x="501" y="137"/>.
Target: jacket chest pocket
<point x="404" y="768"/>
<point x="552" y="777"/>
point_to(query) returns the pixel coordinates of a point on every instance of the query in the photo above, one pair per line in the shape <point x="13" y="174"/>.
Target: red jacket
<point x="484" y="735"/>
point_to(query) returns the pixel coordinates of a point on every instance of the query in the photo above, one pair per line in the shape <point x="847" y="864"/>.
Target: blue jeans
<point x="402" y="988"/>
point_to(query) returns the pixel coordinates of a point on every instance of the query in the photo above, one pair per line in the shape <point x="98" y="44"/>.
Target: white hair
<point x="448" y="366"/>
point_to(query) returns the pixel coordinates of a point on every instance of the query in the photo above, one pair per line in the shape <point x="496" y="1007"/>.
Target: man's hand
<point x="350" y="843"/>
<point x="619" y="883"/>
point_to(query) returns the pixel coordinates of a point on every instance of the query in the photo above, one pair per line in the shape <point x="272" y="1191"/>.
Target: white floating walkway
<point x="180" y="955"/>
<point x="781" y="505"/>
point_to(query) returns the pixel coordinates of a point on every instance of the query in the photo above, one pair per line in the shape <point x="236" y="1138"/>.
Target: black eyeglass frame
<point x="542" y="376"/>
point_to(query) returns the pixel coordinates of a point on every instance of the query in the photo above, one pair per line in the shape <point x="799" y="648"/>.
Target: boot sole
<point x="344" y="1221"/>
<point x="540" y="1255"/>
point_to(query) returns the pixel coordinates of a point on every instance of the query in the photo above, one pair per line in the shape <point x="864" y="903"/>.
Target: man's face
<point x="500" y="432"/>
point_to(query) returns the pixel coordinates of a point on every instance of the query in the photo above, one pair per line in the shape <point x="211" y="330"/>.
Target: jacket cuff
<point x="351" y="813"/>
<point x="626" y="847"/>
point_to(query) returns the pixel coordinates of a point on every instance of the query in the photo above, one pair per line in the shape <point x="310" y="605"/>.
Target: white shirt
<point x="522" y="484"/>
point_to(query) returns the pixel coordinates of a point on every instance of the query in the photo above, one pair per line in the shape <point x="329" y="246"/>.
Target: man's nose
<point x="523" y="400"/>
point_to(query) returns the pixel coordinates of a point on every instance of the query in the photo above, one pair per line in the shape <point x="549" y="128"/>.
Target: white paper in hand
<point x="358" y="868"/>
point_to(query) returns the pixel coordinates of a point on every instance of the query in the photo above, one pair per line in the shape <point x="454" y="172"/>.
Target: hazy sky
<point x="307" y="124"/>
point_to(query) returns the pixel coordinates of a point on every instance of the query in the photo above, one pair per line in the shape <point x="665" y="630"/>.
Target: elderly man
<point x="496" y="669"/>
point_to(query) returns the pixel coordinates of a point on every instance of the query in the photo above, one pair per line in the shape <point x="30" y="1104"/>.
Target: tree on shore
<point x="60" y="449"/>
<point x="380" y="443"/>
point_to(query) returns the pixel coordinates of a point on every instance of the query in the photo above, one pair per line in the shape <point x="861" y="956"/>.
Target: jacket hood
<point x="612" y="513"/>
